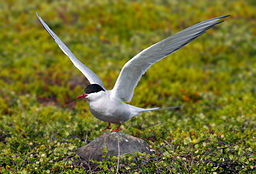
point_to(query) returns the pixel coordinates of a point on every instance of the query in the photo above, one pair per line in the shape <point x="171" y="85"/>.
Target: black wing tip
<point x="225" y="16"/>
<point x="196" y="36"/>
<point x="222" y="17"/>
<point x="209" y="27"/>
<point x="218" y="18"/>
<point x="216" y="23"/>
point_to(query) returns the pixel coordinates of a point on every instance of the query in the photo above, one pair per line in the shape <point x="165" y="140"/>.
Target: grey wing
<point x="89" y="74"/>
<point x="138" y="65"/>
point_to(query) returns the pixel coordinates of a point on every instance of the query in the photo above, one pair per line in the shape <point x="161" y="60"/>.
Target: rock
<point x="127" y="143"/>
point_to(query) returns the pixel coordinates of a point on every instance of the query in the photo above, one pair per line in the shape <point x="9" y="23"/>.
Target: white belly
<point x="110" y="110"/>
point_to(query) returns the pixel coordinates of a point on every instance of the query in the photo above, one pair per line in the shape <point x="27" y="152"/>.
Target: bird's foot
<point x="114" y="130"/>
<point x="117" y="128"/>
<point x="108" y="127"/>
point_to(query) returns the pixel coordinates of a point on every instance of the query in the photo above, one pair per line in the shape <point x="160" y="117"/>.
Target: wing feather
<point x="138" y="65"/>
<point x="89" y="74"/>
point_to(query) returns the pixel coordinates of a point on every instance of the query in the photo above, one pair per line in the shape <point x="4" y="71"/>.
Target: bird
<point x="112" y="105"/>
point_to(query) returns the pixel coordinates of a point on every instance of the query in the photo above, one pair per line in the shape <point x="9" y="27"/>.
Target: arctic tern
<point x="110" y="105"/>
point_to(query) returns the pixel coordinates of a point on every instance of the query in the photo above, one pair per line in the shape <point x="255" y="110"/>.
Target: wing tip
<point x="39" y="18"/>
<point x="217" y="22"/>
<point x="199" y="34"/>
<point x="223" y="17"/>
<point x="37" y="15"/>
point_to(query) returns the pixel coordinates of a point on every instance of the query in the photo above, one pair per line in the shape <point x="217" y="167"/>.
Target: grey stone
<point x="127" y="143"/>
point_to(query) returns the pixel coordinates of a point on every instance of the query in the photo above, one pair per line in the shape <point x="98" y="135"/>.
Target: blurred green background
<point x="213" y="78"/>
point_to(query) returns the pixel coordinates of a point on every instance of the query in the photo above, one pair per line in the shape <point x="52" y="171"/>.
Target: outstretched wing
<point x="138" y="65"/>
<point x="89" y="74"/>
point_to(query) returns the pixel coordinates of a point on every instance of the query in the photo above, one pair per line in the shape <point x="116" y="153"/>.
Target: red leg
<point x="107" y="127"/>
<point x="117" y="128"/>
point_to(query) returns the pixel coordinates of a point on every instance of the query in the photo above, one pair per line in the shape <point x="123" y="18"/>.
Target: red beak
<point x="81" y="96"/>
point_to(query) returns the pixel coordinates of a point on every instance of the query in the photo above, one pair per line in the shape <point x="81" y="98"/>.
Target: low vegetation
<point x="213" y="78"/>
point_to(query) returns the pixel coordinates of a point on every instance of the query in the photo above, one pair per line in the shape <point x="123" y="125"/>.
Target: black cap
<point x="93" y="88"/>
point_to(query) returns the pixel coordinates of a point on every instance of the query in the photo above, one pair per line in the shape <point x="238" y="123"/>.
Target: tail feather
<point x="164" y="108"/>
<point x="135" y="110"/>
<point x="150" y="109"/>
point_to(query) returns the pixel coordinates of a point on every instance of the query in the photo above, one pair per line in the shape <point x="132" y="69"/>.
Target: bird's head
<point x="92" y="91"/>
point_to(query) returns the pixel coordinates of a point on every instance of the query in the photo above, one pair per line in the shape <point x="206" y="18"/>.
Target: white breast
<point x="109" y="109"/>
